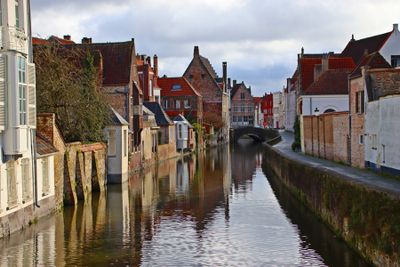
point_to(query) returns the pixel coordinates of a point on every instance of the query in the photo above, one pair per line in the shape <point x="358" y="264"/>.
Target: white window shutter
<point x="3" y="91"/>
<point x="31" y="95"/>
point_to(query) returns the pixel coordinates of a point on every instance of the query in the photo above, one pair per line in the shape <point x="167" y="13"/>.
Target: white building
<point x="290" y="109"/>
<point x="382" y="98"/>
<point x="117" y="153"/>
<point x="277" y="110"/>
<point x="26" y="183"/>
<point x="184" y="133"/>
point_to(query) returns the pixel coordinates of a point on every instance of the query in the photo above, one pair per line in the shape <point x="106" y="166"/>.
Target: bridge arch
<point x="258" y="134"/>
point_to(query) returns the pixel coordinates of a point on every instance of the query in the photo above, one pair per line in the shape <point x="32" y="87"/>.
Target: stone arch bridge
<point x="258" y="134"/>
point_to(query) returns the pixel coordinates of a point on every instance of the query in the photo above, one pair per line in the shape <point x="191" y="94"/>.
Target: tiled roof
<point x="162" y="118"/>
<point x="331" y="82"/>
<point x="356" y="48"/>
<point x="117" y="119"/>
<point x="167" y="83"/>
<point x="39" y="41"/>
<point x="117" y="60"/>
<point x="373" y="61"/>
<point x="180" y="117"/>
<point x="61" y="40"/>
<point x="341" y="63"/>
<point x="307" y="71"/>
<point x="43" y="146"/>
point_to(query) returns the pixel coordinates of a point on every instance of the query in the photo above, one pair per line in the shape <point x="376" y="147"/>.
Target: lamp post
<point x="316" y="113"/>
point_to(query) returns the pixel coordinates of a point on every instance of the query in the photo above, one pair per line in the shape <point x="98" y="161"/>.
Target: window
<point x="243" y="108"/>
<point x="361" y="139"/>
<point x="12" y="199"/>
<point x="235" y="109"/>
<point x="250" y="109"/>
<point x="177" y="104"/>
<point x="234" y="119"/>
<point x="166" y="103"/>
<point x="186" y="103"/>
<point x="22" y="104"/>
<point x="373" y="141"/>
<point x="112" y="146"/>
<point x="17" y="20"/>
<point x="245" y="118"/>
<point x="27" y="181"/>
<point x="360" y="102"/>
<point x="176" y="87"/>
<point x="180" y="131"/>
<point x="151" y="88"/>
<point x="395" y="61"/>
<point x="125" y="143"/>
<point x="239" y="119"/>
<point x="242" y="96"/>
<point x="45" y="176"/>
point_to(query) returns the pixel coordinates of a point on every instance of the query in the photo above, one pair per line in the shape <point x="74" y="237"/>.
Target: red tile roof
<point x="61" y="40"/>
<point x="373" y="61"/>
<point x="167" y="83"/>
<point x="341" y="63"/>
<point x="39" y="41"/>
<point x="356" y="48"/>
<point x="307" y="71"/>
<point x="331" y="82"/>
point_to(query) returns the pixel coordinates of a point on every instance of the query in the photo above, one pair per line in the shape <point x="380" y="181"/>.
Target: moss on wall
<point x="367" y="218"/>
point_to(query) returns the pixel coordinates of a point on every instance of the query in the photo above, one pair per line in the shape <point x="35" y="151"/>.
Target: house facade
<point x="203" y="77"/>
<point x="117" y="148"/>
<point x="185" y="139"/>
<point x="277" y="110"/>
<point x="148" y="77"/>
<point x="26" y="171"/>
<point x="242" y="106"/>
<point x="258" y="114"/>
<point x="267" y="109"/>
<point x="357" y="102"/>
<point x="178" y="96"/>
<point x="382" y="146"/>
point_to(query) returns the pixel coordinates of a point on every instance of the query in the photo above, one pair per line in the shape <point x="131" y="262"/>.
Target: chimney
<point x="148" y="61"/>
<point x="196" y="51"/>
<point x="229" y="83"/>
<point x="225" y="75"/>
<point x="67" y="37"/>
<point x="234" y="82"/>
<point x="302" y="51"/>
<point x="352" y="38"/>
<point x="155" y="65"/>
<point x="86" y="40"/>
<point x="396" y="27"/>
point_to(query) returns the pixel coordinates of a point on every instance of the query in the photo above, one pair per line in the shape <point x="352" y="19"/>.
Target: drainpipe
<point x="34" y="168"/>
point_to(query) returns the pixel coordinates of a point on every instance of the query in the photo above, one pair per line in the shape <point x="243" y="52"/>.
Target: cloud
<point x="259" y="39"/>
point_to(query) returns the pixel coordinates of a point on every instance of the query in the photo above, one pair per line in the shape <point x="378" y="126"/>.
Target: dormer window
<point x="395" y="60"/>
<point x="176" y="87"/>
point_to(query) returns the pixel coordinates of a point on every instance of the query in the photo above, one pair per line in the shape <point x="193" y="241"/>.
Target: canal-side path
<point x="364" y="177"/>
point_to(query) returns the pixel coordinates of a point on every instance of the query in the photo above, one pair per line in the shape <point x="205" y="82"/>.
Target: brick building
<point x="357" y="100"/>
<point x="203" y="77"/>
<point x="148" y="77"/>
<point x="178" y="96"/>
<point x="242" y="106"/>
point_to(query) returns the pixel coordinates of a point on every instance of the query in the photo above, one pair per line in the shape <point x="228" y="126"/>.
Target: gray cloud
<point x="259" y="39"/>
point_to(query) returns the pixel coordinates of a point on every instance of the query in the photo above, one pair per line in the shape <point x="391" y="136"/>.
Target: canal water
<point x="216" y="209"/>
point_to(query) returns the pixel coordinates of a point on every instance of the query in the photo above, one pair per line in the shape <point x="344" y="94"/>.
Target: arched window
<point x="329" y="110"/>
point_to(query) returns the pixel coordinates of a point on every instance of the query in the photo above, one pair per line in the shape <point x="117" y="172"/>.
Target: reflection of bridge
<point x="258" y="134"/>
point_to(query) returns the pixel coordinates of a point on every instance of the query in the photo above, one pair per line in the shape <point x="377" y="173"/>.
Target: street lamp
<point x="316" y="111"/>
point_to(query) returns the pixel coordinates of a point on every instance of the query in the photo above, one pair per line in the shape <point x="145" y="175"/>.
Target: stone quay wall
<point x="367" y="218"/>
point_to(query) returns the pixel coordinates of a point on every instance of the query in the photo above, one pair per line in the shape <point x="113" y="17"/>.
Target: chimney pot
<point x="196" y="51"/>
<point x="234" y="82"/>
<point x="225" y="75"/>
<point x="86" y="40"/>
<point x="396" y="27"/>
<point x="67" y="37"/>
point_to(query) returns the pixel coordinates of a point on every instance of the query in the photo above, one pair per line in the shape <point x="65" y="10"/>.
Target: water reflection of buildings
<point x="246" y="158"/>
<point x="114" y="227"/>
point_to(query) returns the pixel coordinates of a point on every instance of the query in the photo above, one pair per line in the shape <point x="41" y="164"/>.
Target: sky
<point x="260" y="39"/>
